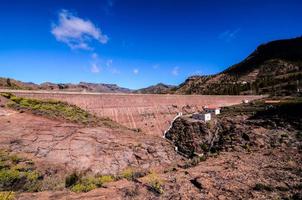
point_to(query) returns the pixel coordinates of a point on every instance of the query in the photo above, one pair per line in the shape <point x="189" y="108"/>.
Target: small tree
<point x="8" y="82"/>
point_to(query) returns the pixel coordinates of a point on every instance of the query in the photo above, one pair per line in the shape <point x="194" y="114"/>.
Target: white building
<point x="214" y="110"/>
<point x="245" y="101"/>
<point x="202" y="116"/>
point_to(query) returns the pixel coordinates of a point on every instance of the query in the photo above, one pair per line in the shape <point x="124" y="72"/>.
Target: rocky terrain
<point x="250" y="151"/>
<point x="273" y="68"/>
<point x="261" y="143"/>
<point x="74" y="147"/>
<point x="58" y="147"/>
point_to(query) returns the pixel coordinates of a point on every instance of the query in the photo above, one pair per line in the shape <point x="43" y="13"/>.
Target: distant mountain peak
<point x="159" y="88"/>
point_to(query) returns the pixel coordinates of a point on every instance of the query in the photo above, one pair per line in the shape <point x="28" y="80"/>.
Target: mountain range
<point x="273" y="68"/>
<point x="7" y="83"/>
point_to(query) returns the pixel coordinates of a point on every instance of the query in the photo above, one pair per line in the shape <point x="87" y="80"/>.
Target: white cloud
<point x="229" y="35"/>
<point x="95" y="68"/>
<point x="76" y="32"/>
<point x="135" y="71"/>
<point x="175" y="71"/>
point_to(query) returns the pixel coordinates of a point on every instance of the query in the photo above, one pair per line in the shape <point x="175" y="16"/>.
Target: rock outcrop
<point x="265" y="127"/>
<point x="75" y="147"/>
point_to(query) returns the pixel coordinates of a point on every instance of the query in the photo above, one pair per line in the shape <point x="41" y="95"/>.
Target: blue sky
<point x="136" y="43"/>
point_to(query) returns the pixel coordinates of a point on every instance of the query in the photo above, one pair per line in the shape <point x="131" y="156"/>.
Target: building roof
<point x="272" y="101"/>
<point x="212" y="107"/>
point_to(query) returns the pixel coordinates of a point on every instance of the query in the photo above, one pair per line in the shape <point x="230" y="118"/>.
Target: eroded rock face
<point x="99" y="150"/>
<point x="190" y="135"/>
<point x="229" y="133"/>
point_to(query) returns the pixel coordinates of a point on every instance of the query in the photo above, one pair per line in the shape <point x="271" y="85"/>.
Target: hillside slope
<point x="159" y="88"/>
<point x="273" y="68"/>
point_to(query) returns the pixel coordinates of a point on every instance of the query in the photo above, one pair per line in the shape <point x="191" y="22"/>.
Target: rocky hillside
<point x="273" y="68"/>
<point x="7" y="83"/>
<point x="255" y="125"/>
<point x="156" y="89"/>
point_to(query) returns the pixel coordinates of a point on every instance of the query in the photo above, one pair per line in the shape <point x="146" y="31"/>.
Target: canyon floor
<point x="144" y="165"/>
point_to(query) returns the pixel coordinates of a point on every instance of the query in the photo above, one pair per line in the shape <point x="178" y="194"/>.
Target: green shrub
<point x="128" y="173"/>
<point x="53" y="183"/>
<point x="263" y="187"/>
<point x="71" y="179"/>
<point x="32" y="175"/>
<point x="16" y="174"/>
<point x="15" y="99"/>
<point x="85" y="184"/>
<point x="3" y="165"/>
<point x="131" y="174"/>
<point x="7" y="195"/>
<point x="6" y="95"/>
<point x="204" y="147"/>
<point x="104" y="179"/>
<point x="11" y="179"/>
<point x="20" y="167"/>
<point x="155" y="183"/>
<point x="8" y="177"/>
<point x="80" y="187"/>
<point x="16" y="159"/>
<point x="202" y="158"/>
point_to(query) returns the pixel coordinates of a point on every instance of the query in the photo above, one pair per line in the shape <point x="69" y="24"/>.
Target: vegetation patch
<point x="18" y="174"/>
<point x="7" y="195"/>
<point x="155" y="183"/>
<point x="57" y="110"/>
<point x="79" y="183"/>
<point x="131" y="174"/>
<point x="263" y="187"/>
